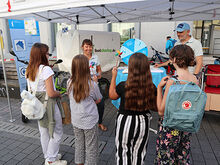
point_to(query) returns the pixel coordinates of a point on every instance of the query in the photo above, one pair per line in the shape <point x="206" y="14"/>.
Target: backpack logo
<point x="186" y="105"/>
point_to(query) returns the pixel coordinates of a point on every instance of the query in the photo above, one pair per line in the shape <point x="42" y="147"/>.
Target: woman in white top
<point x="50" y="142"/>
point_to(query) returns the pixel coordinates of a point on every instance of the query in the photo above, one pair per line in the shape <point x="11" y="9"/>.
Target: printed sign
<point x="22" y="44"/>
<point x="30" y="26"/>
<point x="19" y="45"/>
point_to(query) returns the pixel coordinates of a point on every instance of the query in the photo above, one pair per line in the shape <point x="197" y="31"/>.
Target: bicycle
<point x="62" y="77"/>
<point x="158" y="57"/>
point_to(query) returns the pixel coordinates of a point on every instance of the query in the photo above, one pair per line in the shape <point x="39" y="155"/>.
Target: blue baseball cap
<point x="182" y="27"/>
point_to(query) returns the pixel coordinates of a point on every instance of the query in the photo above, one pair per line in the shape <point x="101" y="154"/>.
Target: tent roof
<point x="102" y="11"/>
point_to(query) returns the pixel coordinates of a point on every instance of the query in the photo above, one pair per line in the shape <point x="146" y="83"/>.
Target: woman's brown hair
<point x="80" y="78"/>
<point x="37" y="57"/>
<point x="183" y="55"/>
<point x="140" y="91"/>
<point x="87" y="42"/>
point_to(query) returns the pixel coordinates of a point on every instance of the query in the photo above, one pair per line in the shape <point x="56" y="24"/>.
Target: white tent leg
<point x="6" y="83"/>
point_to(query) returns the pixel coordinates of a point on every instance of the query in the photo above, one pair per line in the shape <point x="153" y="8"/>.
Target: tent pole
<point x="6" y="83"/>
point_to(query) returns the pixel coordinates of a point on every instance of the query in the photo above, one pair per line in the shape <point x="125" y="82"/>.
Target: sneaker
<point x="59" y="156"/>
<point x="57" y="162"/>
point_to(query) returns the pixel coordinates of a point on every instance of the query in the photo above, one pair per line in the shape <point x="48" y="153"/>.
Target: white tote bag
<point x="31" y="107"/>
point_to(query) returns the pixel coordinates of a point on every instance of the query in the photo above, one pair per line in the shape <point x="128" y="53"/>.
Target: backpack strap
<point x="38" y="77"/>
<point x="34" y="92"/>
<point x="176" y="81"/>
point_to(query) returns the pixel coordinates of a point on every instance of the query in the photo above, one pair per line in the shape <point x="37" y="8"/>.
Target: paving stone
<point x="2" y="163"/>
<point x="16" y="151"/>
<point x="210" y="159"/>
<point x="12" y="162"/>
<point x="24" y="145"/>
<point x="68" y="157"/>
<point x="7" y="157"/>
<point x="104" y="157"/>
<point x="109" y="148"/>
<point x="30" y="148"/>
<point x="14" y="145"/>
<point x="38" y="161"/>
<point x="33" y="155"/>
<point x="26" y="162"/>
<point x="199" y="163"/>
<point x="102" y="163"/>
<point x="8" y="142"/>
<point x="20" y="156"/>
<point x="39" y="149"/>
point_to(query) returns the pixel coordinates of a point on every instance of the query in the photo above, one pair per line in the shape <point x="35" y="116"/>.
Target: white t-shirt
<point x="84" y="115"/>
<point x="93" y="63"/>
<point x="45" y="74"/>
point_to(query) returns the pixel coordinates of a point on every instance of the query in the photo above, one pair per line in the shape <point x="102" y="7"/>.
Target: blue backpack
<point x="173" y="41"/>
<point x="185" y="105"/>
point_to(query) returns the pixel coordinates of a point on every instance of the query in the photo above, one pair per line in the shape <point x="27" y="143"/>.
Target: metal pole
<point x="6" y="83"/>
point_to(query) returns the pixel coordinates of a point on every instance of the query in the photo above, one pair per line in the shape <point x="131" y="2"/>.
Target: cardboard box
<point x="213" y="102"/>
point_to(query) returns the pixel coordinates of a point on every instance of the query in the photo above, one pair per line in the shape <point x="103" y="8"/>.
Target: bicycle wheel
<point x="104" y="85"/>
<point x="64" y="83"/>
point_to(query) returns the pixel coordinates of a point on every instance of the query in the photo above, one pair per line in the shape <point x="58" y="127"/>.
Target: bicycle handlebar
<point x="218" y="57"/>
<point x="156" y="50"/>
<point x="13" y="54"/>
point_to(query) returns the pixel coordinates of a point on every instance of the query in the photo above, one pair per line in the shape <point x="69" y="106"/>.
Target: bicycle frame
<point x="158" y="55"/>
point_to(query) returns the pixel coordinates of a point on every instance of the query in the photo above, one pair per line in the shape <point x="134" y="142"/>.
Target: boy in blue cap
<point x="183" y="33"/>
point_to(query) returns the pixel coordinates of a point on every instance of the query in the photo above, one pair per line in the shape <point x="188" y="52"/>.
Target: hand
<point x="98" y="75"/>
<point x="114" y="71"/>
<point x="157" y="65"/>
<point x="163" y="81"/>
<point x="95" y="78"/>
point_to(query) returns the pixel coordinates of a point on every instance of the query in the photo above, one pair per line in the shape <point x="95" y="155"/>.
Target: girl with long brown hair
<point x="84" y="94"/>
<point x="138" y="97"/>
<point x="50" y="126"/>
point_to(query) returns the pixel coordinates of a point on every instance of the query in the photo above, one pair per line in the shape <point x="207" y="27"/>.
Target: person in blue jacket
<point x="169" y="44"/>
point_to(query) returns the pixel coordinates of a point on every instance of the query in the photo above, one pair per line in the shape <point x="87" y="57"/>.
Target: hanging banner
<point x="24" y="33"/>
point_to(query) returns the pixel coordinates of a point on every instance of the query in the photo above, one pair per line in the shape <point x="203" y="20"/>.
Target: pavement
<point x="20" y="144"/>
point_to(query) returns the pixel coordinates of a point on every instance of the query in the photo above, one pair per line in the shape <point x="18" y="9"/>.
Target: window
<point x="126" y="30"/>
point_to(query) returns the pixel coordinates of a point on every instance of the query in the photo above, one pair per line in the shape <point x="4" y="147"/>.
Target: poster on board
<point x="24" y="33"/>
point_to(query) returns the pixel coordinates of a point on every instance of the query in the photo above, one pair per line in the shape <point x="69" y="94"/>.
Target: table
<point x="157" y="75"/>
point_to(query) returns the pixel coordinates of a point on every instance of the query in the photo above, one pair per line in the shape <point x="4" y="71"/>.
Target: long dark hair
<point x="37" y="57"/>
<point x="80" y="78"/>
<point x="140" y="91"/>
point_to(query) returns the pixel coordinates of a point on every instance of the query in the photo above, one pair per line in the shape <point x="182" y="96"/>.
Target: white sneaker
<point x="59" y="156"/>
<point x="57" y="162"/>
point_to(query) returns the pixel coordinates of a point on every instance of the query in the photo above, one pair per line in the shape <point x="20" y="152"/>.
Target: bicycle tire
<point x="104" y="85"/>
<point x="63" y="84"/>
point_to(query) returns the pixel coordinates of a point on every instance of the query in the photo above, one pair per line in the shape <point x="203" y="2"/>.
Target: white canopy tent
<point x="102" y="11"/>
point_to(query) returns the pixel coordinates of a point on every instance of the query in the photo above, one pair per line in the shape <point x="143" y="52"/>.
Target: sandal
<point x="102" y="127"/>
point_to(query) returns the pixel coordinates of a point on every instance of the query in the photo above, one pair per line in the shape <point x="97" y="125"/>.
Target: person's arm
<point x="199" y="64"/>
<point x="99" y="71"/>
<point x="161" y="99"/>
<point x="160" y="65"/>
<point x="50" y="88"/>
<point x="167" y="46"/>
<point x="112" y="89"/>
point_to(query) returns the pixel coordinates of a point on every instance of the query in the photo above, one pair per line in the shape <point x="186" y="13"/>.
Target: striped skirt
<point x="131" y="138"/>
